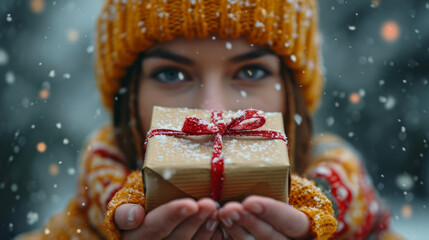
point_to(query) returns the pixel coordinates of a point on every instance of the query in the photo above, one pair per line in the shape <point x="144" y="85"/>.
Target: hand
<point x="264" y="218"/>
<point x="178" y="219"/>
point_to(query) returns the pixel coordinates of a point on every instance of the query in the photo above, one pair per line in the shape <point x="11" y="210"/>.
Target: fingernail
<point x="226" y="221"/>
<point x="224" y="233"/>
<point x="211" y="225"/>
<point x="184" y="211"/>
<point x="131" y="214"/>
<point x="234" y="215"/>
<point x="255" y="208"/>
<point x="250" y="237"/>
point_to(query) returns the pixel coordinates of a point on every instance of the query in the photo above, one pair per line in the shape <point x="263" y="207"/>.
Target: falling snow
<point x="330" y="121"/>
<point x="168" y="173"/>
<point x="365" y="61"/>
<point x="14" y="187"/>
<point x="228" y="45"/>
<point x="10" y="77"/>
<point x="243" y="93"/>
<point x="90" y="49"/>
<point x="404" y="182"/>
<point x="259" y="24"/>
<point x="389" y="102"/>
<point x="32" y="218"/>
<point x="4" y="57"/>
<point x="297" y="118"/>
<point x="71" y="171"/>
<point x="122" y="90"/>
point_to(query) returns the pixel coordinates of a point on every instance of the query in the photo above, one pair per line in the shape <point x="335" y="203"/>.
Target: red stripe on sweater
<point x="112" y="194"/>
<point x="107" y="154"/>
<point x="336" y="183"/>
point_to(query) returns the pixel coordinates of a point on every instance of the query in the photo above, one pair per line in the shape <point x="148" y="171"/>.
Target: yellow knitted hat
<point x="289" y="27"/>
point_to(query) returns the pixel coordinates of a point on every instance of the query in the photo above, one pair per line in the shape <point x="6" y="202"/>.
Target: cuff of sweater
<point x="131" y="192"/>
<point x="310" y="200"/>
<point x="322" y="225"/>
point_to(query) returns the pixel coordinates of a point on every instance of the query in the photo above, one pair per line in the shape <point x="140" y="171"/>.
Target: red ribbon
<point x="242" y="124"/>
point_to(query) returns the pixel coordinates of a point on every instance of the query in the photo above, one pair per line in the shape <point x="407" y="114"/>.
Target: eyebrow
<point x="161" y="53"/>
<point x="251" y="55"/>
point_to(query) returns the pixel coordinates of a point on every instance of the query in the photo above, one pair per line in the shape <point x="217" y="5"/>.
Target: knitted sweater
<point x="105" y="183"/>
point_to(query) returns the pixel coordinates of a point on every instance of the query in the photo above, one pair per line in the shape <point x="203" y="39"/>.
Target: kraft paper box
<point x="179" y="166"/>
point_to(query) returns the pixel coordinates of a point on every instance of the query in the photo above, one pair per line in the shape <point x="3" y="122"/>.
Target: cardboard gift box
<point x="180" y="166"/>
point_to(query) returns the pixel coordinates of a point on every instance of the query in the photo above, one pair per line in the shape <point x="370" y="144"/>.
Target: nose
<point x="212" y="94"/>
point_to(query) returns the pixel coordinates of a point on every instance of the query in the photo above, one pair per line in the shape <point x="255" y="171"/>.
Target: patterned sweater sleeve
<point x="338" y="170"/>
<point x="103" y="172"/>
<point x="131" y="192"/>
<point x="309" y="199"/>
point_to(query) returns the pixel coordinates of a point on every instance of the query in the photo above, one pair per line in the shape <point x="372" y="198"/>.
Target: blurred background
<point x="376" y="57"/>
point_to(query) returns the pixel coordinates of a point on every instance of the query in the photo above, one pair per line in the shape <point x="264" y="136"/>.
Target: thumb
<point x="129" y="216"/>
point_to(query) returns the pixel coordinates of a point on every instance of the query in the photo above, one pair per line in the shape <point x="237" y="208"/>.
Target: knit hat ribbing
<point x="289" y="27"/>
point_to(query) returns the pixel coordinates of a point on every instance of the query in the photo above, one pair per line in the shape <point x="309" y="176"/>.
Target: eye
<point x="252" y="73"/>
<point x="169" y="75"/>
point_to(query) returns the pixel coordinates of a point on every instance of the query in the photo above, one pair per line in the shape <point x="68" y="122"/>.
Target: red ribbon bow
<point x="242" y="124"/>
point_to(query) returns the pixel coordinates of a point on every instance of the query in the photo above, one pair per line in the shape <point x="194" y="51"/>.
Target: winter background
<point x="376" y="55"/>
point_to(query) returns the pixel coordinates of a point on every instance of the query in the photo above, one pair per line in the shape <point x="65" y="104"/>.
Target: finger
<point x="217" y="234"/>
<point x="208" y="229"/>
<point x="188" y="228"/>
<point x="161" y="221"/>
<point x="240" y="224"/>
<point x="283" y="217"/>
<point x="129" y="216"/>
<point x="236" y="232"/>
<point x="228" y="214"/>
<point x="258" y="227"/>
<point x="225" y="234"/>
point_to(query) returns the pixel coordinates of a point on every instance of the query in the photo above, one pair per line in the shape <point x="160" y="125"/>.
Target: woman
<point x="216" y="55"/>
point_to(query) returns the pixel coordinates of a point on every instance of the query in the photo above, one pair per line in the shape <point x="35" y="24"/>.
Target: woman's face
<point x="211" y="74"/>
